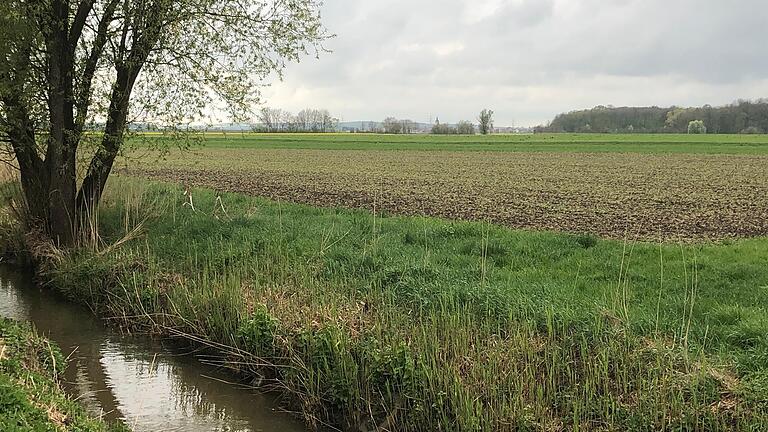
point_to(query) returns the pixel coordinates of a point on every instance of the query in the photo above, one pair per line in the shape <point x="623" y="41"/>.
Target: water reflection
<point x="150" y="385"/>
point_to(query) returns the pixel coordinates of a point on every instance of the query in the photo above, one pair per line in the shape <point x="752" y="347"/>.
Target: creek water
<point x="149" y="384"/>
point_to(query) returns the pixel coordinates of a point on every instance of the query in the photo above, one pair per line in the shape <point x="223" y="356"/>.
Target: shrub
<point x="465" y="128"/>
<point x="752" y="130"/>
<point x="257" y="334"/>
<point x="697" y="127"/>
<point x="443" y="129"/>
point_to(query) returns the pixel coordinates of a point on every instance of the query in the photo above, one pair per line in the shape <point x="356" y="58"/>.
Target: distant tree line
<point x="306" y="120"/>
<point x="393" y="125"/>
<point x="463" y="127"/>
<point x="311" y="120"/>
<point x="742" y="116"/>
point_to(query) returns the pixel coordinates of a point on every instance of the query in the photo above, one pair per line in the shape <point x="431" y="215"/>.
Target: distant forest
<point x="740" y="117"/>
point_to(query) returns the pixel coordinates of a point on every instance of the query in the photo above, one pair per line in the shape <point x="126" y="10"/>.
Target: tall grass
<point x="369" y="322"/>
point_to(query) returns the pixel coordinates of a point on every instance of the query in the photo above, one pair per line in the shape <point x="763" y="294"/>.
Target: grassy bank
<point x="30" y="398"/>
<point x="405" y="323"/>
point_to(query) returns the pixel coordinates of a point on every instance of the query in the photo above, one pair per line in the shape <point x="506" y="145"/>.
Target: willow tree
<point x="485" y="121"/>
<point x="75" y="71"/>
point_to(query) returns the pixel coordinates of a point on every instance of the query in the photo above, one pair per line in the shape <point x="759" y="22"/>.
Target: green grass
<point x="417" y="323"/>
<point x="641" y="143"/>
<point x="30" y="398"/>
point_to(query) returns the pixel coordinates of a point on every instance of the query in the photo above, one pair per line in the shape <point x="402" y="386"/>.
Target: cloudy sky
<point x="528" y="59"/>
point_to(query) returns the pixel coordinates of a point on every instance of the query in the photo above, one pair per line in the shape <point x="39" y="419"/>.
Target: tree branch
<point x="86" y="81"/>
<point x="81" y="16"/>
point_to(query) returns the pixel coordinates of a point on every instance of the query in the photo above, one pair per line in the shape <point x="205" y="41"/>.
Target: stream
<point x="150" y="384"/>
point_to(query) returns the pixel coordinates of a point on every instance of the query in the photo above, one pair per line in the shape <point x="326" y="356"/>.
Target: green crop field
<point x="650" y="143"/>
<point x="655" y="187"/>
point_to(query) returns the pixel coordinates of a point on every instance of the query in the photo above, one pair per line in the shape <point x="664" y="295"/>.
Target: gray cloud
<point x="528" y="59"/>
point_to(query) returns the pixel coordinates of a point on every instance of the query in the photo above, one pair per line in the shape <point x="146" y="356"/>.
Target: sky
<point x="527" y="60"/>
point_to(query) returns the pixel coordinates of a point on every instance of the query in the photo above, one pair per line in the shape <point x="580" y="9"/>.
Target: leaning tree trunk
<point x="49" y="187"/>
<point x="33" y="175"/>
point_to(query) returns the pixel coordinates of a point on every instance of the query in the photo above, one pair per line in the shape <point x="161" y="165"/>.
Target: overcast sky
<point x="528" y="59"/>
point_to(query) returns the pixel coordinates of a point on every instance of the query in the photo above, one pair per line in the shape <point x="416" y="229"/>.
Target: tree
<point x="443" y="129"/>
<point x="465" y="127"/>
<point x="272" y="119"/>
<point x="732" y="118"/>
<point x="392" y="125"/>
<point x="752" y="130"/>
<point x="65" y="64"/>
<point x="408" y="126"/>
<point x="697" y="127"/>
<point x="485" y="121"/>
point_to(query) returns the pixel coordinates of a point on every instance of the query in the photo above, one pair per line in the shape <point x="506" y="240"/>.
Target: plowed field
<point x="669" y="196"/>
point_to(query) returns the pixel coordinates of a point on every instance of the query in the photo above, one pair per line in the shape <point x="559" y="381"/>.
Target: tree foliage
<point x="392" y="125"/>
<point x="465" y="127"/>
<point x="443" y="129"/>
<point x="485" y="121"/>
<point x="307" y="120"/>
<point x="739" y="117"/>
<point x="697" y="127"/>
<point x="69" y="67"/>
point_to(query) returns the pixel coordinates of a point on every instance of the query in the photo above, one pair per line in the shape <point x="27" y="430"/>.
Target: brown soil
<point x="649" y="196"/>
